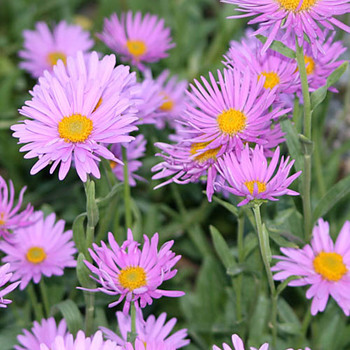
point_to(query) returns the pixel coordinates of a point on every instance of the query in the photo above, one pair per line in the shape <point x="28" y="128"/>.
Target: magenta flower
<point x="135" y="150"/>
<point x="42" y="248"/>
<point x="238" y="345"/>
<point x="252" y="178"/>
<point x="140" y="345"/>
<point x="44" y="333"/>
<point x="322" y="264"/>
<point x="10" y="217"/>
<point x="152" y="330"/>
<point x="293" y="18"/>
<point x="138" y="40"/>
<point x="75" y="112"/>
<point x="5" y="276"/>
<point x="132" y="273"/>
<point x="42" y="49"/>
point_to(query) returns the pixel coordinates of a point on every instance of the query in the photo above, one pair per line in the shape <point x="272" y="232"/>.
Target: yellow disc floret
<point x="168" y="103"/>
<point x="330" y="266"/>
<point x="136" y="48"/>
<point x="36" y="255"/>
<point x="75" y="128"/>
<point x="202" y="157"/>
<point x="98" y="104"/>
<point x="53" y="57"/>
<point x="250" y="186"/>
<point x="310" y="65"/>
<point x="231" y="121"/>
<point x="2" y="219"/>
<point x="293" y="5"/>
<point x="132" y="277"/>
<point x="271" y="79"/>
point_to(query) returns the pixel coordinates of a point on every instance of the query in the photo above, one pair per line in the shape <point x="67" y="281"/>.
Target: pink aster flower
<point x="135" y="150"/>
<point x="252" y="178"/>
<point x="238" y="345"/>
<point x="42" y="248"/>
<point x="293" y="18"/>
<point x="154" y="345"/>
<point x="81" y="342"/>
<point x="41" y="333"/>
<point x="5" y="276"/>
<point x="322" y="264"/>
<point x="152" y="330"/>
<point x="138" y="40"/>
<point x="133" y="273"/>
<point x="10" y="217"/>
<point x="43" y="48"/>
<point x="75" y="112"/>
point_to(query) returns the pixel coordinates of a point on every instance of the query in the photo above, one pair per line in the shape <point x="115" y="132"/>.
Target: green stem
<point x="45" y="297"/>
<point x="89" y="313"/>
<point x="239" y="279"/>
<point x="127" y="195"/>
<point x="37" y="308"/>
<point x="266" y="256"/>
<point x="133" y="318"/>
<point x="296" y="113"/>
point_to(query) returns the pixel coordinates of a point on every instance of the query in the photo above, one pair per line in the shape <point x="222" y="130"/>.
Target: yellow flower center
<point x="250" y="186"/>
<point x="168" y="103"/>
<point x="271" y="79"/>
<point x="2" y="219"/>
<point x="231" y="121"/>
<point x="209" y="154"/>
<point x="36" y="255"/>
<point x="75" y="128"/>
<point x="112" y="164"/>
<point x="136" y="47"/>
<point x="98" y="104"/>
<point x="310" y="65"/>
<point x="53" y="57"/>
<point x="330" y="266"/>
<point x="132" y="277"/>
<point x="293" y="5"/>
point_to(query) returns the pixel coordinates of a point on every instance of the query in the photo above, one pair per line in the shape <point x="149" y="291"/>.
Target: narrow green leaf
<point x="289" y="328"/>
<point x="102" y="202"/>
<point x="83" y="273"/>
<point x="79" y="232"/>
<point x="278" y="46"/>
<point x="71" y="314"/>
<point x="258" y="323"/>
<point x="284" y="284"/>
<point x="230" y="207"/>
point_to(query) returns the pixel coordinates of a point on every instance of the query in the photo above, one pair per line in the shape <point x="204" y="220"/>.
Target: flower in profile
<point x="43" y="48"/>
<point x="41" y="333"/>
<point x="75" y="112"/>
<point x="138" y="40"/>
<point x="152" y="330"/>
<point x="322" y="264"/>
<point x="95" y="342"/>
<point x="5" y="276"/>
<point x="10" y="217"/>
<point x="134" y="151"/>
<point x="252" y="178"/>
<point x="133" y="273"/>
<point x="238" y="345"/>
<point x="293" y="18"/>
<point x="42" y="248"/>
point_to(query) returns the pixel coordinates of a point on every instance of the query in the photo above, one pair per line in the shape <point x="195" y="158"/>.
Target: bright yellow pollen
<point x="168" y="103"/>
<point x="75" y="128"/>
<point x="271" y="79"/>
<point x="36" y="255"/>
<point x="112" y="164"/>
<point x="250" y="186"/>
<point x="136" y="47"/>
<point x="53" y="57"/>
<point x="293" y="5"/>
<point x="231" y="121"/>
<point x="2" y="219"/>
<point x="98" y="104"/>
<point x="132" y="277"/>
<point x="310" y="65"/>
<point x="202" y="157"/>
<point x="330" y="266"/>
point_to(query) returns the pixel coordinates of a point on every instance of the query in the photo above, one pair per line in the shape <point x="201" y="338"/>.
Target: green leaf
<point x="83" y="273"/>
<point x="222" y="248"/>
<point x="102" y="202"/>
<point x="71" y="314"/>
<point x="259" y="320"/>
<point x="230" y="207"/>
<point x="284" y="284"/>
<point x="79" y="232"/>
<point x="332" y="197"/>
<point x="91" y="205"/>
<point x="289" y="328"/>
<point x="286" y="313"/>
<point x="278" y="46"/>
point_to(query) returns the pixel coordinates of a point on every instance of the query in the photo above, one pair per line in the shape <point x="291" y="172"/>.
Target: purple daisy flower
<point x="238" y="345"/>
<point x="323" y="265"/>
<point x="10" y="217"/>
<point x="5" y="276"/>
<point x="132" y="273"/>
<point x="42" y="248"/>
<point x="252" y="178"/>
<point x="154" y="345"/>
<point x="41" y="333"/>
<point x="135" y="150"/>
<point x="43" y="48"/>
<point x="95" y="342"/>
<point x="152" y="330"/>
<point x="75" y="112"/>
<point x="293" y="17"/>
<point x="136" y="39"/>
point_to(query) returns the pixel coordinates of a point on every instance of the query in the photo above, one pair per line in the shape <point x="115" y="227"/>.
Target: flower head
<point x="136" y="39"/>
<point x="10" y="217"/>
<point x="5" y="276"/>
<point x="41" y="333"/>
<point x="238" y="345"/>
<point x="252" y="178"/>
<point x="43" y="48"/>
<point x="133" y="273"/>
<point x="42" y="248"/>
<point x="154" y="345"/>
<point x="75" y="112"/>
<point x="323" y="265"/>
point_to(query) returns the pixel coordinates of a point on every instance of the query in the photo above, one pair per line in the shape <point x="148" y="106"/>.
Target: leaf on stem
<point x="278" y="46"/>
<point x="71" y="314"/>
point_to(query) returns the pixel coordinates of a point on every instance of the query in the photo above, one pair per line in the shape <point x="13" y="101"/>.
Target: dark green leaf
<point x="231" y="208"/>
<point x="79" y="232"/>
<point x="83" y="273"/>
<point x="278" y="46"/>
<point x="102" y="202"/>
<point x="71" y="314"/>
